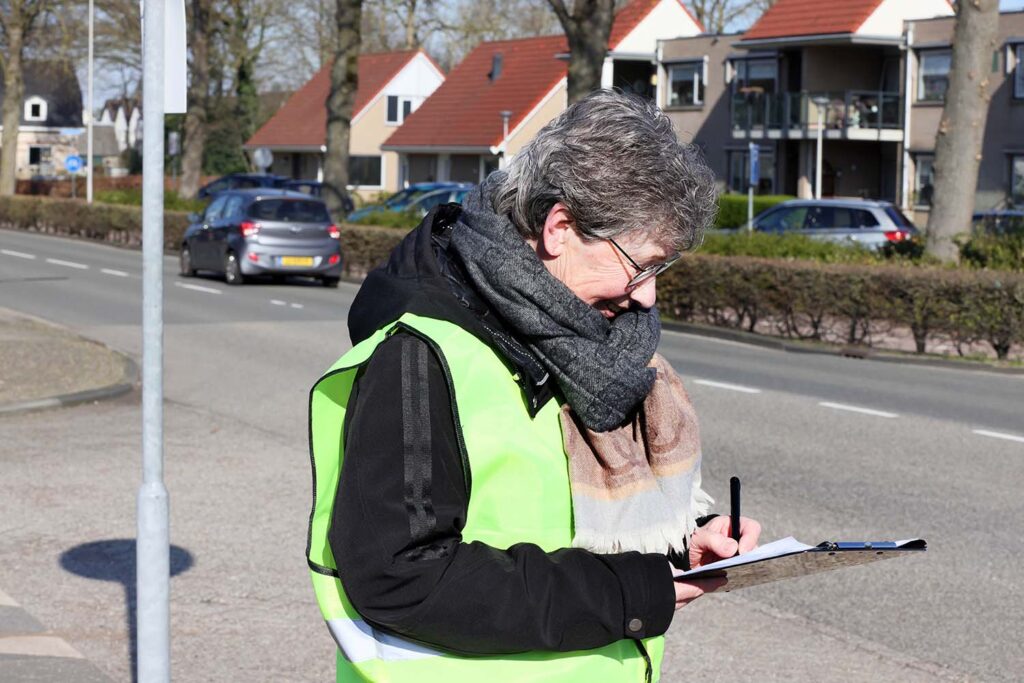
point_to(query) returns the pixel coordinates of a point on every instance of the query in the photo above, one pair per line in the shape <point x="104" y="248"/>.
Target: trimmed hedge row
<point x="850" y="303"/>
<point x="732" y="208"/>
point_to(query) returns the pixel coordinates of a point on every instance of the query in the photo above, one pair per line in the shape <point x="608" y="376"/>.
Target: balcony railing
<point x="796" y="113"/>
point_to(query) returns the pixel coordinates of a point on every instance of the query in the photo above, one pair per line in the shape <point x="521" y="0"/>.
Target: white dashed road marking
<point x="999" y="435"/>
<point x="857" y="409"/>
<point x="117" y="273"/>
<point x="278" y="302"/>
<point x="725" y="385"/>
<point x="18" y="254"/>
<point x="197" y="288"/>
<point x="67" y="264"/>
<point x="296" y="305"/>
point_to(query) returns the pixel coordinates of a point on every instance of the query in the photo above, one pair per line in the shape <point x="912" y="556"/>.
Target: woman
<point x="519" y="465"/>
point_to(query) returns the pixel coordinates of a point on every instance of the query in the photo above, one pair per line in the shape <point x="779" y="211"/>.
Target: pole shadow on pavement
<point x="114" y="560"/>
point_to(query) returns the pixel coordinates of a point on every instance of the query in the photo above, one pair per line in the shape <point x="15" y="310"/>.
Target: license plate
<point x="296" y="260"/>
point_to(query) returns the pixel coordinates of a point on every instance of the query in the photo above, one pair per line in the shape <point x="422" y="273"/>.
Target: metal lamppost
<point x="821" y="102"/>
<point x="89" y="115"/>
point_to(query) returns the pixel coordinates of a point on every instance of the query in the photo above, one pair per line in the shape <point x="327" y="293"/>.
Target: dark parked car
<point x="315" y="188"/>
<point x="870" y="223"/>
<point x="419" y="197"/>
<point x="240" y="181"/>
<point x="263" y="232"/>
<point x="999" y="222"/>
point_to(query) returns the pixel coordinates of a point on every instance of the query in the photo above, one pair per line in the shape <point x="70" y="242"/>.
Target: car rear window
<point x="897" y="217"/>
<point x="290" y="210"/>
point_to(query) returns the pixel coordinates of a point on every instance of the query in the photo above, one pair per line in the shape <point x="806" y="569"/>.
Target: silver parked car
<point x="263" y="232"/>
<point x="867" y="222"/>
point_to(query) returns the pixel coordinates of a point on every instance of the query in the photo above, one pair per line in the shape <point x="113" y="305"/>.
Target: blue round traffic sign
<point x="73" y="163"/>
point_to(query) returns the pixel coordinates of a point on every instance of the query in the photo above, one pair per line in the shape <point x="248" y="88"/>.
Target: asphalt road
<point x="827" y="447"/>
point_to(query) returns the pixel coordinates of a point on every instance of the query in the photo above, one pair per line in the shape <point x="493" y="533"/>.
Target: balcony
<point x="849" y="115"/>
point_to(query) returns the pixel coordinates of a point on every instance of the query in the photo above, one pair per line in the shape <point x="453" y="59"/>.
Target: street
<point x="828" y="448"/>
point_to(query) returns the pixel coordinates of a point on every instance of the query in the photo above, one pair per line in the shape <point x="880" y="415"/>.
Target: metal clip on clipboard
<point x="788" y="558"/>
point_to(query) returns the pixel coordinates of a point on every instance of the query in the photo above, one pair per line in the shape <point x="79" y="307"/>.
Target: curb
<point x="129" y="378"/>
<point x="858" y="352"/>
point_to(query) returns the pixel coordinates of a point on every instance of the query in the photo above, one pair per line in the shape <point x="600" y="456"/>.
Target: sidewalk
<point x="45" y="366"/>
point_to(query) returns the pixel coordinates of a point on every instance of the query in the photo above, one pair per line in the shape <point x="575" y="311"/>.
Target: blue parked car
<point x="419" y="197"/>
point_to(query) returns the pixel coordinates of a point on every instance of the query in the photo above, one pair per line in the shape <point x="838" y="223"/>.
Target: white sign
<point x="262" y="157"/>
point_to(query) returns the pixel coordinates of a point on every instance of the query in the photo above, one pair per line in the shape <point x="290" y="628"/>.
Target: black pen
<point x="734" y="509"/>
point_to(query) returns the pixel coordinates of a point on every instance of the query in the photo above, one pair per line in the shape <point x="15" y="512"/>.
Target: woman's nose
<point x="645" y="293"/>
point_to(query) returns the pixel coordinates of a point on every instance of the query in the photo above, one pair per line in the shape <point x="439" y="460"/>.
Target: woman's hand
<point x="688" y="591"/>
<point x="713" y="542"/>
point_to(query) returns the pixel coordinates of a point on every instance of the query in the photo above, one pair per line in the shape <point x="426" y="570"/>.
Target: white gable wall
<point x="667" y="20"/>
<point x="888" y="18"/>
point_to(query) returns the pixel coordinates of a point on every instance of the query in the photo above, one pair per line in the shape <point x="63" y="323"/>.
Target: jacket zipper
<point x="466" y="474"/>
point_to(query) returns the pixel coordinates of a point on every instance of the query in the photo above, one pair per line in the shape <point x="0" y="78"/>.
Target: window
<point x="1018" y="72"/>
<point x="233" y="206"/>
<point x="754" y="75"/>
<point x="820" y="217"/>
<point x="398" y="108"/>
<point x="924" y="180"/>
<point x="933" y="75"/>
<point x="290" y="210"/>
<point x="429" y="201"/>
<point x="686" y="84"/>
<point x="1017" y="178"/>
<point x="783" y="219"/>
<point x="364" y="170"/>
<point x="739" y="171"/>
<point x="35" y="109"/>
<point x="853" y="218"/>
<point x="215" y="210"/>
<point x="38" y="155"/>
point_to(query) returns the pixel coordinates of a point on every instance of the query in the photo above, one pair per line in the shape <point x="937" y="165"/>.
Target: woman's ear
<point x="558" y="228"/>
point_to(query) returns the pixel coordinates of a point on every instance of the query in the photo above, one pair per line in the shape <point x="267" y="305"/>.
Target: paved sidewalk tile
<point x="28" y="654"/>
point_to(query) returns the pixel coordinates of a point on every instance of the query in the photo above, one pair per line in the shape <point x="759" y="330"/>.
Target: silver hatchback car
<point x="870" y="223"/>
<point x="263" y="232"/>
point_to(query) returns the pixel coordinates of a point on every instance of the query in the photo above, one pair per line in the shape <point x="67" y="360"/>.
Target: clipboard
<point x="789" y="558"/>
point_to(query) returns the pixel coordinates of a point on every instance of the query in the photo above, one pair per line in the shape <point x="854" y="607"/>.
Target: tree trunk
<point x="587" y="28"/>
<point x="340" y="103"/>
<point x="198" y="94"/>
<point x="14" y="94"/>
<point x="962" y="127"/>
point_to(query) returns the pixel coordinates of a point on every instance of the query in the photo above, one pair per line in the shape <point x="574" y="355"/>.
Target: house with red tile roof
<point x="838" y="69"/>
<point x="392" y="85"/>
<point x="505" y="91"/>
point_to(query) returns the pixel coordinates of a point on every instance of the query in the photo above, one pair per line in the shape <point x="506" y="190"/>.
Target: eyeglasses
<point x="644" y="273"/>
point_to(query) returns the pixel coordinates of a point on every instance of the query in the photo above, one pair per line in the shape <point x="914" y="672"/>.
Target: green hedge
<point x="404" y="220"/>
<point x="133" y="197"/>
<point x="732" y="208"/>
<point x="848" y="302"/>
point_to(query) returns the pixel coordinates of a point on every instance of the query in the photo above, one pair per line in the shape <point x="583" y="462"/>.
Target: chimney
<point x="496" y="62"/>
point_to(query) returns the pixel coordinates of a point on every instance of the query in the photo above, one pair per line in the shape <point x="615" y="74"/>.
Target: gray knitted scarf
<point x="600" y="365"/>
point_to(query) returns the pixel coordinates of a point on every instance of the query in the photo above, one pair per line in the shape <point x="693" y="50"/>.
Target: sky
<point x="106" y="88"/>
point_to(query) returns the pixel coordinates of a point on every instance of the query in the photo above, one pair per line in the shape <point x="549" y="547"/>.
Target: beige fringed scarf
<point x="637" y="487"/>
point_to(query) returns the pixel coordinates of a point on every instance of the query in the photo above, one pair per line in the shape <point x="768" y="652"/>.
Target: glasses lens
<point x="652" y="271"/>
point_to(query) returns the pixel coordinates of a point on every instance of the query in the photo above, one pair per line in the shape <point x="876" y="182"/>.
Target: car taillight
<point x="249" y="228"/>
<point x="333" y="258"/>
<point x="334" y="232"/>
<point x="897" y="235"/>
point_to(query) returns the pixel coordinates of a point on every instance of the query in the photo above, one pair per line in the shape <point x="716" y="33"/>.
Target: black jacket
<point x="400" y="508"/>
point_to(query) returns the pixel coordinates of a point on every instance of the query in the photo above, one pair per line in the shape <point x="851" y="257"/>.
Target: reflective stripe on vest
<point x="517" y="475"/>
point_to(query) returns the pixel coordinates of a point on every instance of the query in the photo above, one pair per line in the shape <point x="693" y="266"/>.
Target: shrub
<point x="997" y="252"/>
<point x="732" y="208"/>
<point x="133" y="197"/>
<point x="405" y="220"/>
<point x="788" y="246"/>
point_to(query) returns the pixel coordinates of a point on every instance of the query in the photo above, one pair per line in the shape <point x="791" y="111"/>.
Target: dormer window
<point x="35" y="109"/>
<point x="398" y="109"/>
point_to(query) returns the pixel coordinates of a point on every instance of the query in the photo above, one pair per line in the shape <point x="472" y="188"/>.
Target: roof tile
<point x="809" y="17"/>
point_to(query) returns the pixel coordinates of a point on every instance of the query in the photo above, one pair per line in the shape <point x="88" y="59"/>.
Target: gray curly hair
<point x="615" y="162"/>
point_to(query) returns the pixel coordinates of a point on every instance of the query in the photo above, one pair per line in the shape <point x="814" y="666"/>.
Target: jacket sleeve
<point x="396" y="536"/>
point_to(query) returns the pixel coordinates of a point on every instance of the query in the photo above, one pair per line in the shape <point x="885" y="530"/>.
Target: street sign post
<point x="73" y="164"/>
<point x="263" y="158"/>
<point x="755" y="178"/>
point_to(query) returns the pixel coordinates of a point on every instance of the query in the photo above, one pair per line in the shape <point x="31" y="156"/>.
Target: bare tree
<point x="19" y="21"/>
<point x="588" y="27"/>
<point x="341" y="101"/>
<point x="196" y="115"/>
<point x="962" y="127"/>
<point x="717" y="15"/>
